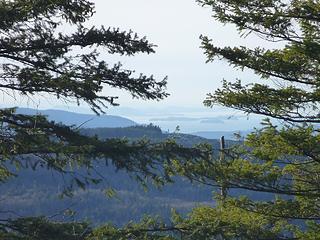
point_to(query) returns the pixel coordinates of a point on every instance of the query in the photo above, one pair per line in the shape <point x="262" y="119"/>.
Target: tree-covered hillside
<point x="39" y="192"/>
<point x="79" y="119"/>
<point x="150" y="132"/>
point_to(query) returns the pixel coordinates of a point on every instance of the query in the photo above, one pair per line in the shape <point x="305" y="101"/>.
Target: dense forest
<point x="40" y="192"/>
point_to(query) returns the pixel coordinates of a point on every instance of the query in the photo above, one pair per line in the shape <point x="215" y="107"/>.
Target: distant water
<point x="198" y="122"/>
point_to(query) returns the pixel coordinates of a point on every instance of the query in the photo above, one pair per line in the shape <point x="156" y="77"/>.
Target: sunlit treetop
<point x="293" y="92"/>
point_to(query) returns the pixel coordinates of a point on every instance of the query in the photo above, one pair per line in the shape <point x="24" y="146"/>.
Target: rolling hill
<point x="78" y="119"/>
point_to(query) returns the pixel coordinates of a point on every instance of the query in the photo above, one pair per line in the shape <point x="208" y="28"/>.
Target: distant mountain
<point x="230" y="135"/>
<point x="83" y="120"/>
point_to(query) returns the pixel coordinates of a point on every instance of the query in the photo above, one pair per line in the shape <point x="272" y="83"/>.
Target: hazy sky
<point x="174" y="26"/>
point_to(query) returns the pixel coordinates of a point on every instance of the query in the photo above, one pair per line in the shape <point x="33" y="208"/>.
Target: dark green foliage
<point x="135" y="132"/>
<point x="41" y="228"/>
<point x="40" y="58"/>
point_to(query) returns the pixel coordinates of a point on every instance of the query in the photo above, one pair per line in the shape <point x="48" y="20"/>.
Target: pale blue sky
<point x="175" y="26"/>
